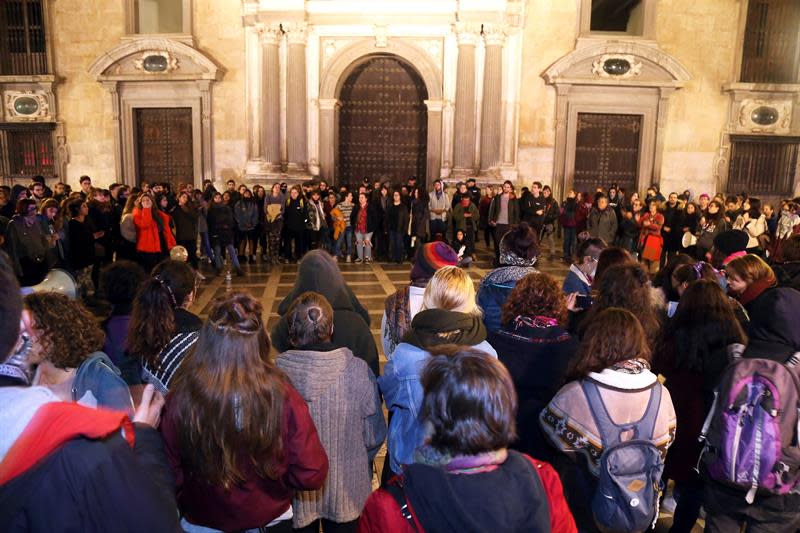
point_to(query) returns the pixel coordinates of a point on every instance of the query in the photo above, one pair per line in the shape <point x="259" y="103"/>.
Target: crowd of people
<point x="528" y="404"/>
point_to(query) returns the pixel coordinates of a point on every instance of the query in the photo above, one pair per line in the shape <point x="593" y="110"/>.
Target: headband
<point x="161" y="281"/>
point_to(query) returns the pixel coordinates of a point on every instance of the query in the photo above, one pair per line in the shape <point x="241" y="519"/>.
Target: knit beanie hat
<point x="731" y="241"/>
<point x="430" y="258"/>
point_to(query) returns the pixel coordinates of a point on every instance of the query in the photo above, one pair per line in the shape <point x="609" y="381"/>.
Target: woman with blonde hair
<point x="449" y="315"/>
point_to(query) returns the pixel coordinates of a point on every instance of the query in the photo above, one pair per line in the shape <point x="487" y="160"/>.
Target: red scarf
<point x="755" y="289"/>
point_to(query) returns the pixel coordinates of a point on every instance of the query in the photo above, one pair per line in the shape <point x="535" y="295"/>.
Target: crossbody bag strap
<point x="396" y="491"/>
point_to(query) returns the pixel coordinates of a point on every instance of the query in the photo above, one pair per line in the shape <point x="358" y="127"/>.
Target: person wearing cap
<point x="474" y="191"/>
<point x="728" y="245"/>
<point x="401" y="307"/>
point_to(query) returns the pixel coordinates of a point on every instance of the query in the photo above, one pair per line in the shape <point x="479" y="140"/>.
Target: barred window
<point x="771" y="50"/>
<point x="763" y="165"/>
<point x="27" y="150"/>
<point x="23" y="44"/>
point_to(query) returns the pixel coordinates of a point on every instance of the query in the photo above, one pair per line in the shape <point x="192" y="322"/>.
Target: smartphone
<point x="583" y="301"/>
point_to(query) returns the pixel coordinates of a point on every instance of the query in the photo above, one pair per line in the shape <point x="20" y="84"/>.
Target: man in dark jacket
<point x="533" y="207"/>
<point x="66" y="467"/>
<point x="504" y="212"/>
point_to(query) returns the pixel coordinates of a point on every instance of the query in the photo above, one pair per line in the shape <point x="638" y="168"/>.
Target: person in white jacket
<point x="754" y="223"/>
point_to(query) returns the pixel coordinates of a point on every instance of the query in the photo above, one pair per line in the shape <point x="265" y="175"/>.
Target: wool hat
<point x="430" y="258"/>
<point x="731" y="241"/>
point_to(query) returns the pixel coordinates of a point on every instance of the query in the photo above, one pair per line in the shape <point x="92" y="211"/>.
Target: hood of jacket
<point x="319" y="273"/>
<point x="433" y="327"/>
<point x="312" y="372"/>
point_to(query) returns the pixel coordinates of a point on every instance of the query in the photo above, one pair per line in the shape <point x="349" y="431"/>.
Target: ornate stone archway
<point x="338" y="70"/>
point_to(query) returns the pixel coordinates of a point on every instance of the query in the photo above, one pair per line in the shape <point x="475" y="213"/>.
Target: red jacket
<point x="147" y="231"/>
<point x="257" y="501"/>
<point x="382" y="514"/>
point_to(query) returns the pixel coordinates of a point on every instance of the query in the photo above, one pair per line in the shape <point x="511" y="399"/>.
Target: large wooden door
<point x="607" y="151"/>
<point x="164" y="145"/>
<point x="383" y="122"/>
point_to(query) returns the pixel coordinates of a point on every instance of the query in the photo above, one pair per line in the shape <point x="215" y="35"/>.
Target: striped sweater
<point x="172" y="355"/>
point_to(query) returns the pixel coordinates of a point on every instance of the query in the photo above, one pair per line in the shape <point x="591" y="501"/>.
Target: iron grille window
<point x="23" y="45"/>
<point x="771" y="52"/>
<point x="763" y="165"/>
<point x="28" y="150"/>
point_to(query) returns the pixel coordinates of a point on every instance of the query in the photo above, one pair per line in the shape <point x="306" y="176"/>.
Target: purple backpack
<point x="751" y="432"/>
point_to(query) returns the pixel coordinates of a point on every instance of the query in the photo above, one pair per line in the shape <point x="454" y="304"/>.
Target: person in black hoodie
<point x="465" y="478"/>
<point x="536" y="348"/>
<point x="221" y="224"/>
<point x="185" y="217"/>
<point x="318" y="272"/>
<point x="67" y="467"/>
<point x="397" y="226"/>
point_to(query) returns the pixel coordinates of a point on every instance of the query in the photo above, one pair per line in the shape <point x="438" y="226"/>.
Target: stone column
<point x="328" y="137"/>
<point x="464" y="134"/>
<point x="492" y="97"/>
<point x="270" y="145"/>
<point x="433" y="159"/>
<point x="296" y="104"/>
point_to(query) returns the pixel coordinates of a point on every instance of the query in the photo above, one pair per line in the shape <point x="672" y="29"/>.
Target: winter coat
<point x="602" y="224"/>
<point x="342" y="397"/>
<point x="186" y="222"/>
<point x="147" y="237"/>
<point x="317" y="272"/>
<point x="27" y="243"/>
<point x="576" y="281"/>
<point x="397" y="218"/>
<point x="295" y="214"/>
<point x="81" y="245"/>
<point x="494" y="290"/>
<point x="513" y="209"/>
<point x="246" y="214"/>
<point x="461" y="221"/>
<point x="373" y="218"/>
<point x="60" y="460"/>
<point x="673" y="217"/>
<point x="220" y="224"/>
<point x="257" y="501"/>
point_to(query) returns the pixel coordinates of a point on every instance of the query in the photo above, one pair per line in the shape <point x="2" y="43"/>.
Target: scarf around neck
<point x="434" y="327"/>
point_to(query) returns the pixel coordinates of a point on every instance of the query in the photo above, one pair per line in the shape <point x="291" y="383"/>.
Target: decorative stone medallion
<point x="27" y="106"/>
<point x="764" y="116"/>
<point x="156" y="62"/>
<point x="616" y="66"/>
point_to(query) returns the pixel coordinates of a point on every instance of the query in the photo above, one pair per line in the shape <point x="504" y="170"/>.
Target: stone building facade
<point x="505" y="89"/>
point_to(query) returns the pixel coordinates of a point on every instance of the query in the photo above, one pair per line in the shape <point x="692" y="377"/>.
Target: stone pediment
<point x="618" y="64"/>
<point x="154" y="59"/>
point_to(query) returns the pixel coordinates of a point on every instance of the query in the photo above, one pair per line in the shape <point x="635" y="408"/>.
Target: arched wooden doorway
<point x="383" y="122"/>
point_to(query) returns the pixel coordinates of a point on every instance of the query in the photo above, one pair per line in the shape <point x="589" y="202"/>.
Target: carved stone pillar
<point x="328" y="137"/>
<point x="115" y="120"/>
<point x="296" y="122"/>
<point x="491" y="121"/>
<point x="464" y="146"/>
<point x="206" y="135"/>
<point x="270" y="148"/>
<point x="433" y="160"/>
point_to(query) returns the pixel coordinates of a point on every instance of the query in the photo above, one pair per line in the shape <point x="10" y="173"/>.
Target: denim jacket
<point x="402" y="392"/>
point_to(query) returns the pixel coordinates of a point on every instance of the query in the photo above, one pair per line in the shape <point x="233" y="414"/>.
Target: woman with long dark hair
<point x="691" y="354"/>
<point x="712" y="223"/>
<point x="238" y="436"/>
<point x="162" y="329"/>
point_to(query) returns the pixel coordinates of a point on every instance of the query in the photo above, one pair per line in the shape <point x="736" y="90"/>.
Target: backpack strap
<point x="610" y="432"/>
<point x="395" y="490"/>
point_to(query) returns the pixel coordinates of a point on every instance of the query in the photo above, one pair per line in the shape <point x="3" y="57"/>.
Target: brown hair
<point x="469" y="401"/>
<point x="609" y="257"/>
<point x="791" y="248"/>
<point x="537" y="294"/>
<point x="613" y="335"/>
<point x="228" y="396"/>
<point x="66" y="343"/>
<point x="310" y="319"/>
<point x="750" y="269"/>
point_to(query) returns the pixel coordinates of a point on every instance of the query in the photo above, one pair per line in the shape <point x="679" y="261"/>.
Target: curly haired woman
<point x="68" y="354"/>
<point x="536" y="348"/>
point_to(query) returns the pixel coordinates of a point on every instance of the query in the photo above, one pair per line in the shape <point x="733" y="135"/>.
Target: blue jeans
<point x="348" y="238"/>
<point x="569" y="242"/>
<point x="231" y="250"/>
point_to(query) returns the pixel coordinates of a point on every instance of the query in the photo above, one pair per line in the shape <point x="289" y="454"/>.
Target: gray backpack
<point x="629" y="487"/>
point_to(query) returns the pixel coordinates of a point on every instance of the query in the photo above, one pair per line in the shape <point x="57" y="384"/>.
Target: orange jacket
<point x="147" y="231"/>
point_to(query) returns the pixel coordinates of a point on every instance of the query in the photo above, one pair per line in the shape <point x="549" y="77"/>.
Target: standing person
<point x="336" y="226"/>
<point x="221" y="229"/>
<point x="154" y="239"/>
<point x="420" y="217"/>
<point x="238" y="436"/>
<point x="484" y="203"/>
<point x="186" y="220"/>
<point x="602" y="221"/>
<point x="692" y="354"/>
<point x="245" y="212"/>
<point x="503" y="212"/>
<point x="570" y="219"/>
<point x="671" y="231"/>
<point x="364" y="220"/>
<point x="401" y="307"/>
<point x="274" y="206"/>
<point x="613" y="388"/>
<point x="651" y="242"/>
<point x="466" y="464"/>
<point x="466" y="217"/>
<point x="346" y="208"/>
<point x="81" y="246"/>
<point x="86" y="187"/>
<point x="754" y="223"/>
<point x="294" y="222"/>
<point x="551" y="215"/>
<point x="690" y="223"/>
<point x="532" y="207"/>
<point x="439" y="206"/>
<point x="474" y="191"/>
<point x="260" y="198"/>
<point x="342" y="397"/>
<point x="712" y="223"/>
<point x="53" y="219"/>
<point x="316" y="226"/>
<point x="28" y="243"/>
<point x="397" y="226"/>
<point x="534" y="345"/>
<point x="449" y="315"/>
